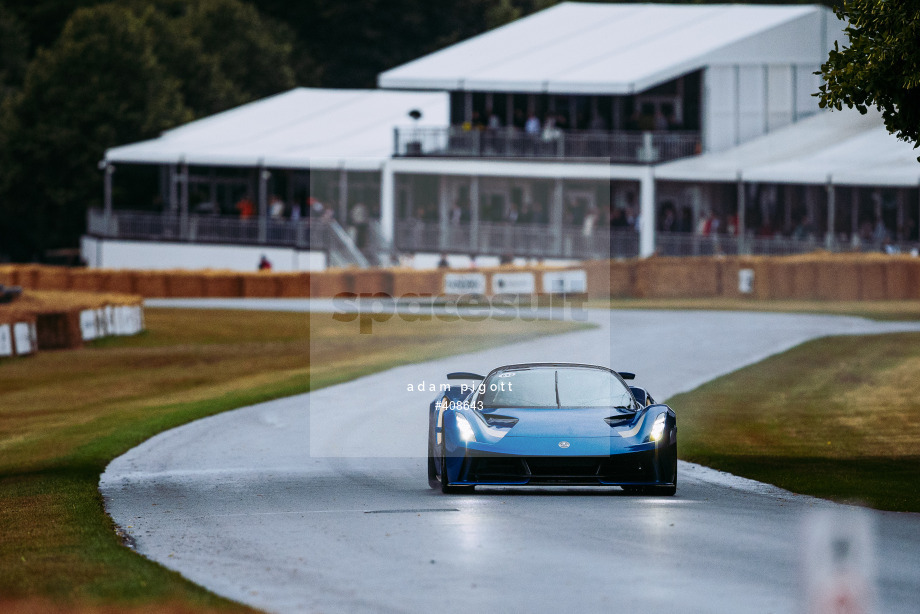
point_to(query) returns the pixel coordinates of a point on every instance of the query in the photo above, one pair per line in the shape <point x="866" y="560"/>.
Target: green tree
<point x="98" y="86"/>
<point x="14" y="52"/>
<point x="880" y="66"/>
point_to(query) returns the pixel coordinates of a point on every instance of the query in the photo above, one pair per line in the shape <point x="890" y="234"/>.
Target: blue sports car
<point x="550" y="424"/>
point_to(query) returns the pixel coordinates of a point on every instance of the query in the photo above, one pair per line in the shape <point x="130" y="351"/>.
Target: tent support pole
<point x="831" y="215"/>
<point x="555" y="215"/>
<point x="387" y="204"/>
<point x="263" y="203"/>
<point x="343" y="197"/>
<point x="742" y="211"/>
<point x="183" y="202"/>
<point x="647" y="213"/>
<point x="107" y="196"/>
<point x="443" y="208"/>
<point x="474" y="214"/>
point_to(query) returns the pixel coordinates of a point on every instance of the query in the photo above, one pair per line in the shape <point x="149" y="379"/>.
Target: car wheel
<point x="662" y="491"/>
<point x="433" y="480"/>
<point x="632" y="490"/>
<point x="446" y="487"/>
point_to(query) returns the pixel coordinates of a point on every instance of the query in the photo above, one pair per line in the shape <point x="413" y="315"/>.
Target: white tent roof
<point x="301" y="128"/>
<point x="620" y="48"/>
<point x="843" y="146"/>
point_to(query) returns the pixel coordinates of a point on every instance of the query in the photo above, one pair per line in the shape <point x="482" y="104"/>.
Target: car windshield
<point x="553" y="387"/>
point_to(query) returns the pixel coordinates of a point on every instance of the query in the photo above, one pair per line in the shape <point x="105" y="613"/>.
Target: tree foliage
<point x="880" y="67"/>
<point x="100" y="84"/>
<point x="120" y="73"/>
<point x="14" y="52"/>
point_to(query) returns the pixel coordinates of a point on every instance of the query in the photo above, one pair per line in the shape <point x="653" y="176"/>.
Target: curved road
<point x="319" y="502"/>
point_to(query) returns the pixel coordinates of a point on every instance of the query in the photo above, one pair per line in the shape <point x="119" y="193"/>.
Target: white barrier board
<point x="23" y="335"/>
<point x="6" y="340"/>
<point x="464" y="283"/>
<point x="565" y="282"/>
<point x="88" y="325"/>
<point x="746" y="281"/>
<point x="513" y="283"/>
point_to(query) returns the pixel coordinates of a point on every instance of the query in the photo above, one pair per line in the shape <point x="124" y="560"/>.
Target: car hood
<point x="571" y="422"/>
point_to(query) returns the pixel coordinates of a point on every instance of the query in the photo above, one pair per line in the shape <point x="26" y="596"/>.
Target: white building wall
<point x="153" y="256"/>
<point x="719" y="108"/>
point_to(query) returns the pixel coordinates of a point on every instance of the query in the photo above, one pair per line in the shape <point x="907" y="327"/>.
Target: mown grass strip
<point x="65" y="415"/>
<point x="873" y="310"/>
<point x="837" y="417"/>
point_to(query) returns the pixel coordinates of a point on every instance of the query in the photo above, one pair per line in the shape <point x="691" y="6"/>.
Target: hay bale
<point x="898" y="280"/>
<point x="421" y="283"/>
<point x="222" y="285"/>
<point x="181" y="284"/>
<point x="329" y="283"/>
<point x="88" y="280"/>
<point x="261" y="285"/>
<point x="372" y="281"/>
<point x="872" y="282"/>
<point x="24" y="275"/>
<point x="120" y="281"/>
<point x="53" y="278"/>
<point x="294" y="285"/>
<point x="151" y="284"/>
<point x="837" y="280"/>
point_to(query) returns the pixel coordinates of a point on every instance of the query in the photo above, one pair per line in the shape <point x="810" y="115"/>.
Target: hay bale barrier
<point x="42" y="320"/>
<point x="815" y="276"/>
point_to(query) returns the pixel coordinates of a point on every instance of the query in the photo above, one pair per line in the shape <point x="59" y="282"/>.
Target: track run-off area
<point x="320" y="503"/>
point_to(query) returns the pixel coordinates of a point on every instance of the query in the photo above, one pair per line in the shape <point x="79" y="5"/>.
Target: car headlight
<point x="658" y="427"/>
<point x="464" y="429"/>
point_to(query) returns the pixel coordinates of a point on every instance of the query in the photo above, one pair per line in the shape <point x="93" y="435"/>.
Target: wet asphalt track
<point x="319" y="503"/>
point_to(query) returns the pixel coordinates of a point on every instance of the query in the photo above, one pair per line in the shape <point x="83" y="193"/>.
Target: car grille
<point x="636" y="467"/>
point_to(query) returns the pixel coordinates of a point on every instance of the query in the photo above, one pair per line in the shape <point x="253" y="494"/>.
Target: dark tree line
<point x="80" y="76"/>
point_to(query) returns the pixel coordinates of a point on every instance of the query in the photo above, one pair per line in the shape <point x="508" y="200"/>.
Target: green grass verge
<point x="65" y="415"/>
<point x="874" y="310"/>
<point x="837" y="417"/>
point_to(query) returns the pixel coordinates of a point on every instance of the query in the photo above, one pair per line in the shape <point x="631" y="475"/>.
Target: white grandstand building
<point x="582" y="131"/>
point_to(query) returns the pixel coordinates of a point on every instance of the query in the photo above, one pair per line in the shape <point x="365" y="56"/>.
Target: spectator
<point x="295" y="213"/>
<point x="550" y="131"/>
<point x="805" y="229"/>
<point x="359" y="220"/>
<point x="316" y="208"/>
<point x="443" y="263"/>
<point x="587" y="227"/>
<point x="264" y="264"/>
<point x="246" y="208"/>
<point x="494" y="121"/>
<point x="455" y="215"/>
<point x="276" y="208"/>
<point x="532" y="126"/>
<point x="880" y="231"/>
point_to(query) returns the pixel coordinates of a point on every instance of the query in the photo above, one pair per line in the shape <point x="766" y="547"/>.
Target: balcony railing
<point x="615" y="147"/>
<point x="518" y="240"/>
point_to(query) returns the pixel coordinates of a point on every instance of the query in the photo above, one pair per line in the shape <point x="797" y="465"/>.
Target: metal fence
<point x="518" y="240"/>
<point x="619" y="146"/>
<point x="684" y="244"/>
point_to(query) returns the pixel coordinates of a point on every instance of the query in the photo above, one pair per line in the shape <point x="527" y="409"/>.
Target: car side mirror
<point x="641" y="395"/>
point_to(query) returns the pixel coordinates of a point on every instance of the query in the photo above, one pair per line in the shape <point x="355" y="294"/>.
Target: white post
<point x="647" y="213"/>
<point x="387" y="203"/>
